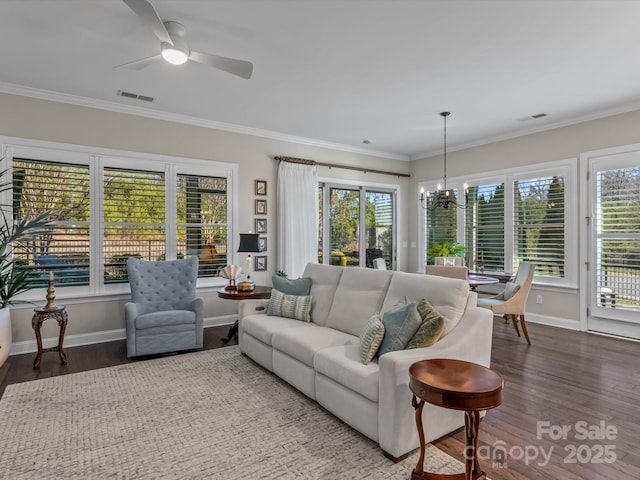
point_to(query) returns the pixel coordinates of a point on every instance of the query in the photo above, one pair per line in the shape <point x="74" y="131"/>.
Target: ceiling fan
<point x="174" y="49"/>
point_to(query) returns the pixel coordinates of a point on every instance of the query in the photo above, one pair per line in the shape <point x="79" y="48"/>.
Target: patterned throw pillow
<point x="298" y="286"/>
<point x="401" y="322"/>
<point x="371" y="338"/>
<point x="289" y="306"/>
<point x="510" y="289"/>
<point x="431" y="328"/>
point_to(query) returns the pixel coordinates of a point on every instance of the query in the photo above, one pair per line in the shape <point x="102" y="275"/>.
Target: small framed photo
<point x="261" y="187"/>
<point x="261" y="207"/>
<point x="263" y="244"/>
<point x="261" y="225"/>
<point x="261" y="263"/>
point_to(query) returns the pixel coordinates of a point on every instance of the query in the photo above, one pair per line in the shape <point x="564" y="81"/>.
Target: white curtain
<point x="297" y="217"/>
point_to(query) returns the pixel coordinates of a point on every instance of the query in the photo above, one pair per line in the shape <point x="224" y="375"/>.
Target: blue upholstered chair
<point x="164" y="314"/>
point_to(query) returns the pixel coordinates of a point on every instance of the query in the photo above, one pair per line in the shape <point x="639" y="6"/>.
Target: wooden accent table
<point x="259" y="292"/>
<point x="458" y="385"/>
<point x="60" y="315"/>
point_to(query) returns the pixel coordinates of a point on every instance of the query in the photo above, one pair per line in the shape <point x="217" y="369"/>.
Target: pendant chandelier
<point x="443" y="197"/>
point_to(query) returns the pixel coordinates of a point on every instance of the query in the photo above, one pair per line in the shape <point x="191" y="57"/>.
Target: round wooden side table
<point x="458" y="385"/>
<point x="40" y="315"/>
<point x="259" y="292"/>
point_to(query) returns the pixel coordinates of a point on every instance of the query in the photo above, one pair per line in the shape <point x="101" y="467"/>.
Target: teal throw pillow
<point x="289" y="306"/>
<point x="401" y="322"/>
<point x="371" y="338"/>
<point x="299" y="286"/>
<point x="431" y="328"/>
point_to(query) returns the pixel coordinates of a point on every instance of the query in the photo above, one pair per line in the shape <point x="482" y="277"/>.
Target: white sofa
<point x="322" y="360"/>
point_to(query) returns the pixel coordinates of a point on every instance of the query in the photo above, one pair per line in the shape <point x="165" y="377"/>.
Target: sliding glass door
<point x="357" y="225"/>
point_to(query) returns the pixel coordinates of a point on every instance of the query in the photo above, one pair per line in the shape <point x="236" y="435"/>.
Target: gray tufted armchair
<point x="164" y="315"/>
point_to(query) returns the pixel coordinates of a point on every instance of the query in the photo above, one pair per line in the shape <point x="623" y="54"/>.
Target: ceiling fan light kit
<point x="174" y="49"/>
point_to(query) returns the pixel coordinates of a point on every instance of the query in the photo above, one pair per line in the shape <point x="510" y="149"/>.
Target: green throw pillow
<point x="299" y="286"/>
<point x="431" y="328"/>
<point x="371" y="338"/>
<point x="401" y="322"/>
<point x="289" y="306"/>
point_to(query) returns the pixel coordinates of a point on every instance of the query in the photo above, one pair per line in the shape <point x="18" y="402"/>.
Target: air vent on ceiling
<point x="532" y="117"/>
<point x="135" y="96"/>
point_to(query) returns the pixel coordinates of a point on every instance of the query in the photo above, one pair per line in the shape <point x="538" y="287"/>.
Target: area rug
<point x="207" y="415"/>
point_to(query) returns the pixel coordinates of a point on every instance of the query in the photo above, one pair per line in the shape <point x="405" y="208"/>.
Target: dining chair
<point x="451" y="272"/>
<point x="379" y="263"/>
<point x="512" y="300"/>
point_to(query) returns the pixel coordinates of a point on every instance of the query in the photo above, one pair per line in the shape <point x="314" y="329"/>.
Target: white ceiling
<point x="338" y="72"/>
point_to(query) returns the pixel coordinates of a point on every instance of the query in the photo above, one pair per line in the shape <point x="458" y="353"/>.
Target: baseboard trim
<point x="30" y="346"/>
<point x="553" y="321"/>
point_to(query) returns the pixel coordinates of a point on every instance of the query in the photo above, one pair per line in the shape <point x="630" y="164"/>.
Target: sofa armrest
<point x="470" y="340"/>
<point x="252" y="307"/>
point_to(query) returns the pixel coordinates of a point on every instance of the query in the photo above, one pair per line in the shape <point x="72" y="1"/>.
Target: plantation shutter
<point x="484" y="228"/>
<point x="440" y="222"/>
<point x="617" y="226"/>
<point x="539" y="213"/>
<point x="202" y="221"/>
<point x="63" y="189"/>
<point x="134" y="219"/>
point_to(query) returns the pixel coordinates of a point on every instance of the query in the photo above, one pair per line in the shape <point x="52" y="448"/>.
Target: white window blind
<point x="441" y="224"/>
<point x="539" y="219"/>
<point x="64" y="248"/>
<point x="134" y="219"/>
<point x="484" y="229"/>
<point x="618" y="238"/>
<point x="202" y="221"/>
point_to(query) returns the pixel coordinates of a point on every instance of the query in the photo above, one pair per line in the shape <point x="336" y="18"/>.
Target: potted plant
<point x="13" y="281"/>
<point x="447" y="250"/>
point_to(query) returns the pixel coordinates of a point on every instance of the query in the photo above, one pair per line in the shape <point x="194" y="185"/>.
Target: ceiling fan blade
<point x="241" y="68"/>
<point x="139" y="64"/>
<point x="150" y="17"/>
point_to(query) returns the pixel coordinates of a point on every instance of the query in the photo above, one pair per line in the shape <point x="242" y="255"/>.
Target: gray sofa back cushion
<point x="163" y="285"/>
<point x="447" y="295"/>
<point x="324" y="281"/>
<point x="359" y="295"/>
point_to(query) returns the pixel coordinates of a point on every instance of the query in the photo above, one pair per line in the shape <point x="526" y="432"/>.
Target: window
<point x="513" y="216"/>
<point x="617" y="223"/>
<point x="104" y="212"/>
<point x="357" y="225"/>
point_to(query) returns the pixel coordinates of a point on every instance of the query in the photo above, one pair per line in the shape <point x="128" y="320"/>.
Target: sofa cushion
<point x="371" y="338"/>
<point x="342" y="364"/>
<point x="430" y="329"/>
<point x="289" y="306"/>
<point x="303" y="343"/>
<point x="298" y="286"/>
<point x="262" y="327"/>
<point x="324" y="281"/>
<point x="447" y="295"/>
<point x="401" y="322"/>
<point x="359" y="295"/>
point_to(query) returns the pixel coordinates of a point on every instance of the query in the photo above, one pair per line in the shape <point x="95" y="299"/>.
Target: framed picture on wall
<point x="261" y="187"/>
<point x="263" y="244"/>
<point x="261" y="225"/>
<point x="261" y="263"/>
<point x="261" y="207"/>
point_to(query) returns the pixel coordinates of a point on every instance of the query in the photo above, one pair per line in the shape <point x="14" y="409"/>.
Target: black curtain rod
<point x="333" y="165"/>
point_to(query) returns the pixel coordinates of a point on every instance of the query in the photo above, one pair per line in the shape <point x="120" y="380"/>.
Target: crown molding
<point x="530" y="131"/>
<point x="187" y="120"/>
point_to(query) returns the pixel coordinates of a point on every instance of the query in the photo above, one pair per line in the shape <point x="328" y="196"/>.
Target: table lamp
<point x="249" y="243"/>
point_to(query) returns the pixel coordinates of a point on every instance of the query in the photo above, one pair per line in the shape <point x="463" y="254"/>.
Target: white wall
<point x="560" y="307"/>
<point x="43" y="120"/>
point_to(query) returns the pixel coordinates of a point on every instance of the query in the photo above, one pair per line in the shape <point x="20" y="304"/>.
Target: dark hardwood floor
<point x="563" y="378"/>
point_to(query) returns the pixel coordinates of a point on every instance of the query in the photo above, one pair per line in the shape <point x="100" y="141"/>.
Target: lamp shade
<point x="249" y="242"/>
